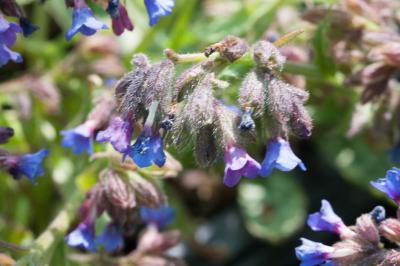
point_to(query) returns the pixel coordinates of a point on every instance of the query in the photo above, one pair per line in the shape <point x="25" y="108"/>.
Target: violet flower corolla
<point x="8" y="37"/>
<point x="157" y="9"/>
<point x="279" y="155"/>
<point x="237" y="164"/>
<point x="83" y="21"/>
<point x="118" y="133"/>
<point x="312" y="253"/>
<point x="29" y="165"/>
<point x="160" y="217"/>
<point x="80" y="138"/>
<point x="390" y="185"/>
<point x="110" y="239"/>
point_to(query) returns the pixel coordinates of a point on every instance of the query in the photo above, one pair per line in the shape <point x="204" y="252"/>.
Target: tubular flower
<point x="148" y="149"/>
<point x="326" y="220"/>
<point x="279" y="155"/>
<point x="157" y="9"/>
<point x="390" y="184"/>
<point x="8" y="37"/>
<point x="79" y="139"/>
<point x="119" y="133"/>
<point x="29" y="165"/>
<point x="82" y="237"/>
<point x="160" y="217"/>
<point x="110" y="239"/>
<point x="312" y="253"/>
<point x="237" y="164"/>
<point x="84" y="22"/>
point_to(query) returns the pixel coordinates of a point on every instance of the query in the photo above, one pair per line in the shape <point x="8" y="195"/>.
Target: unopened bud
<point x="206" y="147"/>
<point x="390" y="229"/>
<point x="252" y="94"/>
<point x="158" y="83"/>
<point x="233" y="48"/>
<point x="129" y="89"/>
<point x="391" y="53"/>
<point x="378" y="214"/>
<point x="301" y="122"/>
<point x="366" y="228"/>
<point x="117" y="189"/>
<point x="147" y="193"/>
<point x="375" y="72"/>
<point x="246" y="121"/>
<point x="268" y="56"/>
<point x="5" y="134"/>
<point x="391" y="258"/>
<point x="350" y="251"/>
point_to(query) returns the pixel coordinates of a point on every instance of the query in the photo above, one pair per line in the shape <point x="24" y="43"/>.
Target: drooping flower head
<point x="82" y="237"/>
<point x="160" y="217"/>
<point x="83" y="21"/>
<point x="157" y="9"/>
<point x="119" y="17"/>
<point x="8" y="37"/>
<point x="326" y="220"/>
<point x="148" y="149"/>
<point x="110" y="239"/>
<point x="237" y="164"/>
<point x="119" y="133"/>
<point x="29" y="165"/>
<point x="79" y="139"/>
<point x="312" y="253"/>
<point x="279" y="155"/>
<point x="390" y="184"/>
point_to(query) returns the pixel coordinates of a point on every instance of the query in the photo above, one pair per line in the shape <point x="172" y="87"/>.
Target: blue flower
<point x="79" y="139"/>
<point x="110" y="239"/>
<point x="390" y="184"/>
<point x="84" y="22"/>
<point x="312" y="253"/>
<point x="119" y="133"/>
<point x="29" y="165"/>
<point x="8" y="37"/>
<point x="27" y="27"/>
<point x="6" y="54"/>
<point x="279" y="155"/>
<point x="326" y="220"/>
<point x="158" y="8"/>
<point x="8" y="32"/>
<point x="82" y="237"/>
<point x="148" y="149"/>
<point x="160" y="217"/>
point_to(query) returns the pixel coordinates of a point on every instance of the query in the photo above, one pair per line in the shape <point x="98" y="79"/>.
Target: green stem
<point x="45" y="243"/>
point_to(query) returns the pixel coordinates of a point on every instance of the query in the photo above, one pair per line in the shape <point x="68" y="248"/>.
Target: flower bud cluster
<point x="361" y="244"/>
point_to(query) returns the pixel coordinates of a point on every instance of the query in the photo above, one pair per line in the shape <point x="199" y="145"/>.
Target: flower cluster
<point x="178" y="110"/>
<point x="134" y="205"/>
<point x="29" y="165"/>
<point x="360" y="244"/>
<point x="83" y="21"/>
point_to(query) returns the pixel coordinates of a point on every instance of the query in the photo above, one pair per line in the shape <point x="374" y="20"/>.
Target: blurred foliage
<point x="272" y="209"/>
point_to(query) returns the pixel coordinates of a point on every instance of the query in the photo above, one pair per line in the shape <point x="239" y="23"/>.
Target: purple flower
<point x="157" y="9"/>
<point x="110" y="239"/>
<point x="8" y="32"/>
<point x="326" y="220"/>
<point x="119" y="133"/>
<point x="279" y="155"/>
<point x="84" y="22"/>
<point x="6" y="54"/>
<point x="80" y="139"/>
<point x="390" y="184"/>
<point x="312" y="253"/>
<point x="160" y="217"/>
<point x="8" y="37"/>
<point x="5" y="134"/>
<point x="237" y="164"/>
<point x="82" y="237"/>
<point x="29" y="165"/>
<point x="119" y="17"/>
<point x="148" y="149"/>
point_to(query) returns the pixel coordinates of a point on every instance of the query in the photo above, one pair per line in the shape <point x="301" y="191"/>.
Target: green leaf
<point x="269" y="212"/>
<point x="321" y="45"/>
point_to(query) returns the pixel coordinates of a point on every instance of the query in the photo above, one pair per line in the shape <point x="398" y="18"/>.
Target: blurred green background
<point x="257" y="223"/>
